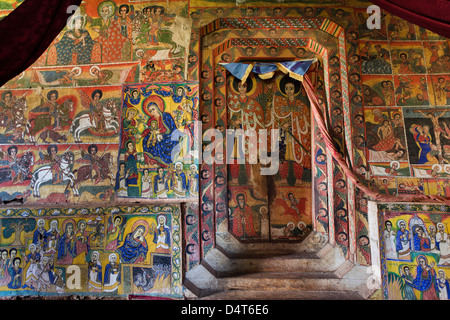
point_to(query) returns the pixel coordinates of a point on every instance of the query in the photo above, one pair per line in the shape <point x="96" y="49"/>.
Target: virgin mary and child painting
<point x="158" y="129"/>
<point x="157" y="132"/>
<point x="161" y="135"/>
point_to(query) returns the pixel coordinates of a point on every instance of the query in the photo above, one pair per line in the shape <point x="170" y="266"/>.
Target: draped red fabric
<point x="429" y="14"/>
<point x="27" y="31"/>
<point x="348" y="172"/>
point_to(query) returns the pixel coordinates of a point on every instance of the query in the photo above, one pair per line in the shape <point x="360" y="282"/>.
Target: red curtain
<point x="27" y="31"/>
<point x="429" y="14"/>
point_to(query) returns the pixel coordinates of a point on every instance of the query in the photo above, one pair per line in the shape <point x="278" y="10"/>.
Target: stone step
<point x="302" y="281"/>
<point x="233" y="248"/>
<point x="283" y="295"/>
<point x="296" y="285"/>
<point x="310" y="270"/>
<point x="220" y="265"/>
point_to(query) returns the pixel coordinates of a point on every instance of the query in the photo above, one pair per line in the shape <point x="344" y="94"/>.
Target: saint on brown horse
<point x="84" y="173"/>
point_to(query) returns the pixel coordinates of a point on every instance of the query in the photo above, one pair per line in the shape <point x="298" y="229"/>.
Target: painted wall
<point x="67" y="121"/>
<point x="103" y="251"/>
<point x="415" y="256"/>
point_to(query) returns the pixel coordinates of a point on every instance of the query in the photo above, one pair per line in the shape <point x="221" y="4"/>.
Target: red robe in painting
<point x="243" y="222"/>
<point x="82" y="242"/>
<point x="112" y="41"/>
<point x="294" y="210"/>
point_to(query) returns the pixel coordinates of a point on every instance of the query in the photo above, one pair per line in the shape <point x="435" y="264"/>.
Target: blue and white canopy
<point x="266" y="70"/>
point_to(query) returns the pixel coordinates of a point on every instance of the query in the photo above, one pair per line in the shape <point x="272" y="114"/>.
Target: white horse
<point x="45" y="174"/>
<point x="86" y="121"/>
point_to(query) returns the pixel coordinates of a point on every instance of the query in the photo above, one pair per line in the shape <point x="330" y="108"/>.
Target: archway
<point x="232" y="35"/>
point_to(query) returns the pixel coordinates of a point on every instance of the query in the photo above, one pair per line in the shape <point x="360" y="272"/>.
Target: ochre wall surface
<point x="103" y="251"/>
<point x="416" y="253"/>
<point x="76" y="126"/>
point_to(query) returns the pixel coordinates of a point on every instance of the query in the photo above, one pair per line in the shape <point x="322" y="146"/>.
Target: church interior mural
<point x="103" y="251"/>
<point x="117" y="107"/>
<point x="415" y="251"/>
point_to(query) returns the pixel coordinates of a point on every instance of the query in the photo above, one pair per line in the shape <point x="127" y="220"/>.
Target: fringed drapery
<point x="431" y="15"/>
<point x="27" y="31"/>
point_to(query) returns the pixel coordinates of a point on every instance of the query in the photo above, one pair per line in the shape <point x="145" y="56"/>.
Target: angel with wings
<point x="95" y="107"/>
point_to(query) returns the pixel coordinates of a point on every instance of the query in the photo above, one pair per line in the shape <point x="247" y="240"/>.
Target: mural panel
<point x="60" y="127"/>
<point x="105" y="251"/>
<point x="284" y="199"/>
<point x="427" y="136"/>
<point x="415" y="251"/>
<point x="158" y="145"/>
<point x="58" y="144"/>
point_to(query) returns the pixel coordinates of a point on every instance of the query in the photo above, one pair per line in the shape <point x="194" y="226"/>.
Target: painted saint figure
<point x="147" y="185"/>
<point x="5" y="278"/>
<point x="15" y="271"/>
<point x="425" y="280"/>
<point x="443" y="286"/>
<point x="242" y="219"/>
<point x="402" y="241"/>
<point x="420" y="241"/>
<point x="95" y="273"/>
<point x="389" y="241"/>
<point x="179" y="181"/>
<point x="423" y="140"/>
<point x="39" y="233"/>
<point x="135" y="247"/>
<point x="76" y="45"/>
<point x="161" y="236"/>
<point x="114" y="233"/>
<point x="51" y="238"/>
<point x="291" y="115"/>
<point x="67" y="245"/>
<point x="161" y="151"/>
<point x="160" y="184"/>
<point x="443" y="243"/>
<point x="112" y="277"/>
<point x="408" y="290"/>
<point x="82" y="243"/>
<point x="193" y="180"/>
<point x="121" y="185"/>
<point x="115" y="45"/>
<point x="32" y="267"/>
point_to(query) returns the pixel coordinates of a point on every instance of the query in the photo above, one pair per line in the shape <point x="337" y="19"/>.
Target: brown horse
<point x="44" y="118"/>
<point x="84" y="173"/>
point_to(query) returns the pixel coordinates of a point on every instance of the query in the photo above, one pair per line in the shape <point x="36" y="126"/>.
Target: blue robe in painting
<point x="162" y="150"/>
<point x="108" y="271"/>
<point x="67" y="46"/>
<point x="155" y="183"/>
<point x="399" y="242"/>
<point x="159" y="231"/>
<point x="420" y="244"/>
<point x="131" y="169"/>
<point x="132" y="250"/>
<point x="98" y="267"/>
<point x="66" y="248"/>
<point x="184" y="182"/>
<point x="51" y="76"/>
<point x="39" y="237"/>
<point x="16" y="282"/>
<point x="425" y="281"/>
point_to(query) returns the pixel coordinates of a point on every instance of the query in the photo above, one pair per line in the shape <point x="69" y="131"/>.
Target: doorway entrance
<point x="275" y="207"/>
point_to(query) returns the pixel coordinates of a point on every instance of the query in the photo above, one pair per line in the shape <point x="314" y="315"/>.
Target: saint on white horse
<point x="101" y="117"/>
<point x="46" y="173"/>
